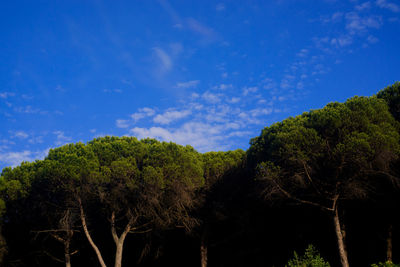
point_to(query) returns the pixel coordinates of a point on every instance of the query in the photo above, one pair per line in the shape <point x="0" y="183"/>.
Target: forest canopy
<point x="328" y="177"/>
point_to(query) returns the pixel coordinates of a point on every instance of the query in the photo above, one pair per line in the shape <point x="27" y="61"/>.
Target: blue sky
<point x="210" y="74"/>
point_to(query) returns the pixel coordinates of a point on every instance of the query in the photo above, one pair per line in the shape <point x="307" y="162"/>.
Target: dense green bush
<point x="311" y="258"/>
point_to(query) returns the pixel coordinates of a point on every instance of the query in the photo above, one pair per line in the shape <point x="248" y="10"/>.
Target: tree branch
<point x="288" y="195"/>
<point x="309" y="178"/>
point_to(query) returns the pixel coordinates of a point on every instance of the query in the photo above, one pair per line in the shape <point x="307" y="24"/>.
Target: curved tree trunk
<point x="87" y="234"/>
<point x="340" y="239"/>
<point x="389" y="249"/>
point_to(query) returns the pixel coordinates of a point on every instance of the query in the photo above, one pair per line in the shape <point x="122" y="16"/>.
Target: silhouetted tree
<point x="325" y="156"/>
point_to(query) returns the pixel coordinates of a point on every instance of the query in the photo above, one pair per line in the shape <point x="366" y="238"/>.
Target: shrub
<point x="311" y="258"/>
<point x="385" y="264"/>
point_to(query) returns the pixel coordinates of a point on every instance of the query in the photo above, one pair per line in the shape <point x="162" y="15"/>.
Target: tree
<point x="135" y="185"/>
<point x="15" y="186"/>
<point x="311" y="258"/>
<point x="55" y="206"/>
<point x="391" y="94"/>
<point x="326" y="156"/>
<point x="217" y="165"/>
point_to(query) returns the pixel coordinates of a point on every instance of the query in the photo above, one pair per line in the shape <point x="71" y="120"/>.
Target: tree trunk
<point x="118" y="255"/>
<point x="66" y="242"/>
<point x="119" y="240"/>
<point x="67" y="254"/>
<point x="204" y="248"/>
<point x="87" y="234"/>
<point x="3" y="247"/>
<point x="389" y="252"/>
<point x="340" y="240"/>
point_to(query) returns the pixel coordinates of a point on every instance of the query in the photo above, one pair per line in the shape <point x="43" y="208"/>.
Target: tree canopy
<point x="115" y="200"/>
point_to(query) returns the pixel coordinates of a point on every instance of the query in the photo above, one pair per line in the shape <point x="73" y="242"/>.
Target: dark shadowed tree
<point x="55" y="206"/>
<point x="391" y="95"/>
<point x="18" y="212"/>
<point x="217" y="165"/>
<point x="326" y="156"/>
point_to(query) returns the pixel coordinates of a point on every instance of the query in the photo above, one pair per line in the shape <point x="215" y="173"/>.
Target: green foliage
<point x="391" y="95"/>
<point x="385" y="264"/>
<point x="341" y="144"/>
<point x="321" y="154"/>
<point x="217" y="164"/>
<point x="311" y="258"/>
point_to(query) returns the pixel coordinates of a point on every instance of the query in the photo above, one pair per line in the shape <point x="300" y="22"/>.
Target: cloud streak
<point x="189" y="84"/>
<point x="15" y="158"/>
<point x="171" y="116"/>
<point x="164" y="60"/>
<point x="211" y="120"/>
<point x="388" y="5"/>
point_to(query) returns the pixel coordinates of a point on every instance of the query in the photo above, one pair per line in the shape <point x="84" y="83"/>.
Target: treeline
<point x="329" y="177"/>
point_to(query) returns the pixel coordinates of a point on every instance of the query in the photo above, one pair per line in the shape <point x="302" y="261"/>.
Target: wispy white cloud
<point x="220" y="7"/>
<point x="188" y="84"/>
<point x="372" y="39"/>
<point x="112" y="91"/>
<point x="223" y="86"/>
<point x="234" y="100"/>
<point x="202" y="136"/>
<point x="211" y="98"/>
<point x="247" y="90"/>
<point x="260" y="111"/>
<point x="143" y="113"/>
<point x="363" y="6"/>
<point x="27" y="97"/>
<point x="302" y="53"/>
<point x="207" y="33"/>
<point x="171" y="116"/>
<point x="171" y="12"/>
<point x="342" y="41"/>
<point x="35" y="139"/>
<point x="300" y="85"/>
<point x="360" y="22"/>
<point x="122" y="123"/>
<point x="335" y="17"/>
<point x="269" y="84"/>
<point x="61" y="138"/>
<point x="20" y="134"/>
<point x="29" y="110"/>
<point x="287" y="81"/>
<point x="61" y="89"/>
<point x="209" y="120"/>
<point x="164" y="60"/>
<point x="6" y="95"/>
<point x="388" y="5"/>
<point x="135" y="117"/>
<point x="14" y="158"/>
<point x="356" y="24"/>
<point x="5" y="144"/>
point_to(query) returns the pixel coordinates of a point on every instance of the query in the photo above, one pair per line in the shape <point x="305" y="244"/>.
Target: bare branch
<point x="288" y="195"/>
<point x="53" y="257"/>
<point x="309" y="178"/>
